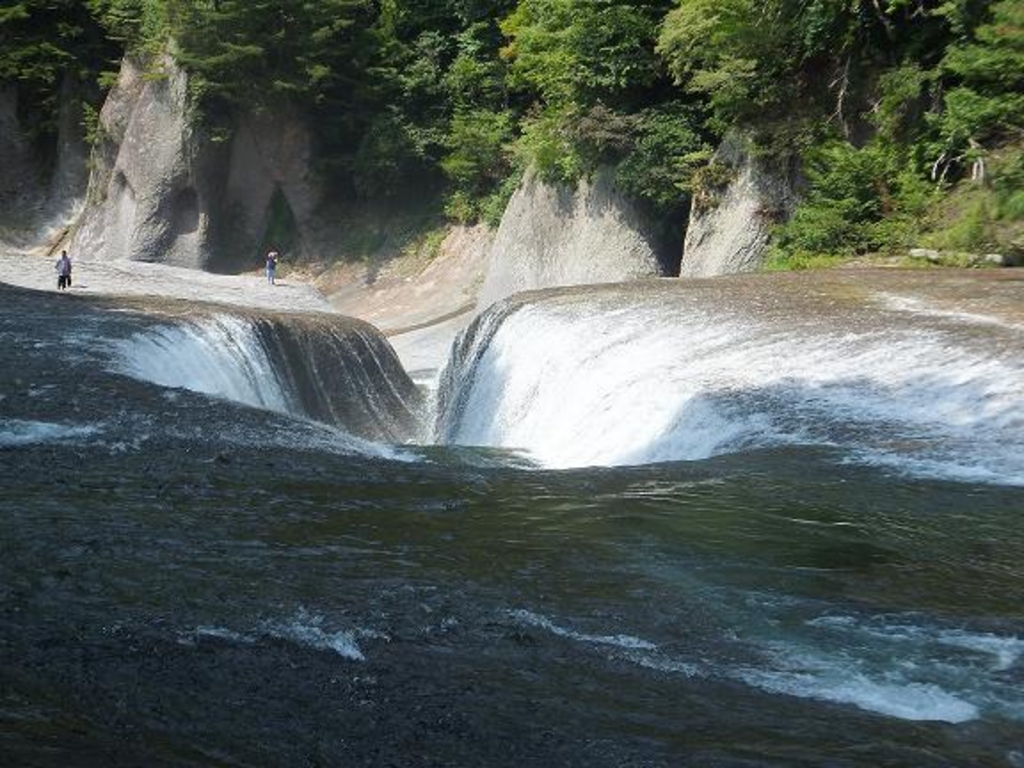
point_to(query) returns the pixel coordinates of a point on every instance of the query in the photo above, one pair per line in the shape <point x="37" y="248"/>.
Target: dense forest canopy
<point x="889" y="104"/>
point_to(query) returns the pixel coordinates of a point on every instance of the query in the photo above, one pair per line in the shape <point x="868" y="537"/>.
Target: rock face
<point x="558" y="236"/>
<point x="144" y="199"/>
<point x="20" y="186"/>
<point x="162" y="191"/>
<point x="269" y="190"/>
<point x="40" y="189"/>
<point x="729" y="230"/>
<point x="70" y="178"/>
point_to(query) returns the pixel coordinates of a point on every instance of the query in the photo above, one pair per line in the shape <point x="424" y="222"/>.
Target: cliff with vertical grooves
<point x="556" y="235"/>
<point x="145" y="201"/>
<point x="41" y="188"/>
<point x="730" y="227"/>
<point x="161" y="190"/>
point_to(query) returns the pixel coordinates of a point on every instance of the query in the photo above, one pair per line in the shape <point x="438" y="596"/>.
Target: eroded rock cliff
<point x="730" y="226"/>
<point x="161" y="190"/>
<point x="20" y="186"/>
<point x="145" y="200"/>
<point x="554" y="235"/>
<point x="269" y="193"/>
<point x="41" y="187"/>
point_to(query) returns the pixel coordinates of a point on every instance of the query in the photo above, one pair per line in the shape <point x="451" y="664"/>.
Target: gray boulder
<point x="928" y="254"/>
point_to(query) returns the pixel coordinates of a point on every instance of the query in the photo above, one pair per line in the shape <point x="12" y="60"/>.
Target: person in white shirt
<point x="272" y="258"/>
<point x="63" y="268"/>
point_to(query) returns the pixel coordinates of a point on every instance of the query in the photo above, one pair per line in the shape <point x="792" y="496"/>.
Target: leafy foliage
<point x="45" y="44"/>
<point x="476" y="162"/>
<point x="889" y="102"/>
<point x="986" y="102"/>
<point x="580" y="50"/>
<point x="597" y="94"/>
<point x="668" y="149"/>
<point x="255" y="53"/>
<point x="859" y="200"/>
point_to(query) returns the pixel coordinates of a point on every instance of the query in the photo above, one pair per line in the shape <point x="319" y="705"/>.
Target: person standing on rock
<point x="272" y="258"/>
<point x="63" y="268"/>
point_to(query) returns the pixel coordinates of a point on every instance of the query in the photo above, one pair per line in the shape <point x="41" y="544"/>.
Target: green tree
<point x="477" y="162"/>
<point x="251" y="54"/>
<point x="788" y="60"/>
<point x="583" y="69"/>
<point x="859" y="200"/>
<point x="582" y="51"/>
<point x="44" y="43"/>
<point x="670" y="146"/>
<point x="985" y="105"/>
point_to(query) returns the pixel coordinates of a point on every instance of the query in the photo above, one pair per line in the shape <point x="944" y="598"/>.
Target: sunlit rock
<point x="730" y="224"/>
<point x="555" y="235"/>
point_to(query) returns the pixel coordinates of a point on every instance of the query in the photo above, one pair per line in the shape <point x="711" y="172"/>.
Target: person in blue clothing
<point x="272" y="257"/>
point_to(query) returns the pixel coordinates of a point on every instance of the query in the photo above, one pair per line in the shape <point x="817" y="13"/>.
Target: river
<point x="767" y="521"/>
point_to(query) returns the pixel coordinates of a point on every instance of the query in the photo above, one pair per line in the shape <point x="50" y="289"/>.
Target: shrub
<point x="861" y="199"/>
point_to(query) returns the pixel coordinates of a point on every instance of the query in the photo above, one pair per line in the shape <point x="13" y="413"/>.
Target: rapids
<point x="662" y="372"/>
<point x="769" y="520"/>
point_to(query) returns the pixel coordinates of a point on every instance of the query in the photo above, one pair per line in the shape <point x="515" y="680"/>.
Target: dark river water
<point x="188" y="581"/>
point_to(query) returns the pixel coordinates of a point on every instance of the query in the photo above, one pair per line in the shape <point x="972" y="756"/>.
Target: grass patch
<point x="428" y="244"/>
<point x="970" y="226"/>
<point x="779" y="261"/>
<point x="866" y="202"/>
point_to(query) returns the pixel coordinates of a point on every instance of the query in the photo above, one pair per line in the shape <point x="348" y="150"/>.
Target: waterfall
<point x="620" y="376"/>
<point x="219" y="355"/>
<point x="334" y="370"/>
<point x="642" y="373"/>
<point x="343" y="371"/>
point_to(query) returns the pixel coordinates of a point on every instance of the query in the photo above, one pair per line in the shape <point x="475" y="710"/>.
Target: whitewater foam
<point x="304" y="628"/>
<point x="906" y="701"/>
<point x="1002" y="652"/>
<point x="912" y="305"/>
<point x="893" y="665"/>
<point x="219" y="356"/>
<point x="303" y="434"/>
<point x="219" y="633"/>
<point x="888" y="665"/>
<point x="629" y="642"/>
<point x="308" y="630"/>
<point x="16" y="432"/>
<point x="573" y="383"/>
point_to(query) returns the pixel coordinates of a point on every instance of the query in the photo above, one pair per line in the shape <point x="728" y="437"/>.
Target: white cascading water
<point x="577" y="384"/>
<point x="587" y="380"/>
<point x="220" y="356"/>
<point x="337" y="376"/>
